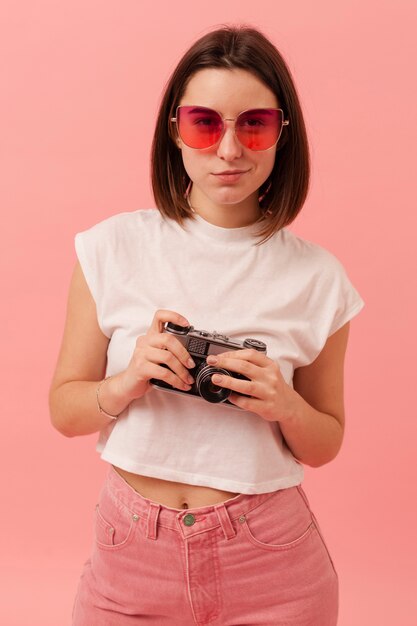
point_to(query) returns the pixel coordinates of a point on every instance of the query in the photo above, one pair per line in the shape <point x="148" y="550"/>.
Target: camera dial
<point x="255" y="344"/>
<point x="177" y="329"/>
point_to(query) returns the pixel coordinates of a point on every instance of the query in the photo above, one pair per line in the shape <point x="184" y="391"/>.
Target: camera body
<point x="200" y="344"/>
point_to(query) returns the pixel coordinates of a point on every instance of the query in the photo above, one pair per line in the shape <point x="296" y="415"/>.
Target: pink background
<point x="81" y="83"/>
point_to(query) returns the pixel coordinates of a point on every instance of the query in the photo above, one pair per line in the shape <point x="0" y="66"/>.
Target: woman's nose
<point x="229" y="147"/>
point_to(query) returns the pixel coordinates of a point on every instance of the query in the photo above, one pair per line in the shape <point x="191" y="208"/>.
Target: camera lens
<point x="206" y="388"/>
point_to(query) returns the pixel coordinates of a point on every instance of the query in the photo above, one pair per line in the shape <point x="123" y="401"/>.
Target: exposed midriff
<point x="173" y="494"/>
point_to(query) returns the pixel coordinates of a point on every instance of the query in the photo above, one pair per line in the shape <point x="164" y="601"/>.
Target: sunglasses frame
<point x="229" y="119"/>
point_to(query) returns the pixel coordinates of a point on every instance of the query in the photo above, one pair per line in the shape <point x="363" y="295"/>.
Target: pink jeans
<point x="253" y="560"/>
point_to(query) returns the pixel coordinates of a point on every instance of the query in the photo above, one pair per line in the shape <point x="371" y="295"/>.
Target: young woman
<point x="202" y="518"/>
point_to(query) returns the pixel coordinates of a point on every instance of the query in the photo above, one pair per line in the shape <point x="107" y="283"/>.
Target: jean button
<point x="189" y="519"/>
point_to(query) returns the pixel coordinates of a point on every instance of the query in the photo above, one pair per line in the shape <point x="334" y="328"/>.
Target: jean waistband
<point x="199" y="519"/>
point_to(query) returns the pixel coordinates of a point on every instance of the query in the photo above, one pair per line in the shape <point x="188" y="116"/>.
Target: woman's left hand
<point x="271" y="397"/>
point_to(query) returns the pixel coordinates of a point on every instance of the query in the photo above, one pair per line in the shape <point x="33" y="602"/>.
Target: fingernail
<point x="216" y="378"/>
<point x="190" y="362"/>
<point x="211" y="359"/>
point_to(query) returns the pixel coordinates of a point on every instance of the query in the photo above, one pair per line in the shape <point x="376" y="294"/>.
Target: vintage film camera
<point x="201" y="344"/>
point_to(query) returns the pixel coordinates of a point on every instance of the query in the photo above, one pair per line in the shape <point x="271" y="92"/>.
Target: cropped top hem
<point x="165" y="473"/>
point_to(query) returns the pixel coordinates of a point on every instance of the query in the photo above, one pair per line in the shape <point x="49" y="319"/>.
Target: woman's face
<point x="228" y="203"/>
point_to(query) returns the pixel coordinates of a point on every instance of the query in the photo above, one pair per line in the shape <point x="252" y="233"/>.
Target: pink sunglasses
<point x="256" y="129"/>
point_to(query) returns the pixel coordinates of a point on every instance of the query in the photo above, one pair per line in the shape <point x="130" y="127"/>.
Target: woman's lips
<point x="230" y="178"/>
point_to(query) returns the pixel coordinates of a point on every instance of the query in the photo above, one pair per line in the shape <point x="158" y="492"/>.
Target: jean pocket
<point x="114" y="524"/>
<point x="283" y="522"/>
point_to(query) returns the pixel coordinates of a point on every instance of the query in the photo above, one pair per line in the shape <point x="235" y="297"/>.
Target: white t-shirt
<point x="288" y="292"/>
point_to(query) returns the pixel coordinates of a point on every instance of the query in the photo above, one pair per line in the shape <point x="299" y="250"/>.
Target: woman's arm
<point x="314" y="431"/>
<point x="81" y="365"/>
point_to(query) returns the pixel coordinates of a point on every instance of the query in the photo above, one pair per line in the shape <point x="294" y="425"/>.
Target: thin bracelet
<point x="113" y="417"/>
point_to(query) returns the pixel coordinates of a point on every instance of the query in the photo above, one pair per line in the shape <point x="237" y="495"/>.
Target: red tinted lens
<point x="259" y="129"/>
<point x="199" y="127"/>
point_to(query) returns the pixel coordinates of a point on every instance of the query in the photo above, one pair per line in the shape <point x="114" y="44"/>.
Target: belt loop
<point x="225" y="522"/>
<point x="153" y="514"/>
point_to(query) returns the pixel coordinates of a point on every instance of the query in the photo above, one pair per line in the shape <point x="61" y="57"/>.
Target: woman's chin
<point x="232" y="197"/>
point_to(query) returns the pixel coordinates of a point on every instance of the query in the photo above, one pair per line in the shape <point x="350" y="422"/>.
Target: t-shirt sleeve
<point x="334" y="299"/>
<point x="328" y="302"/>
<point x="347" y="302"/>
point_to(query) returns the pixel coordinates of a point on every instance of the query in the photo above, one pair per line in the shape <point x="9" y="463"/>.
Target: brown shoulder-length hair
<point x="286" y="188"/>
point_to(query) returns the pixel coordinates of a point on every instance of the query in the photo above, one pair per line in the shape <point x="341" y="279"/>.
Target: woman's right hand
<point x="153" y="349"/>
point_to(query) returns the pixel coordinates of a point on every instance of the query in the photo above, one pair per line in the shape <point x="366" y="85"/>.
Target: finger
<point x="156" y="371"/>
<point x="164" y="315"/>
<point x="248" y="354"/>
<point x="166" y="341"/>
<point x="247" y="387"/>
<point x="247" y="404"/>
<point x="180" y="373"/>
<point x="235" y="365"/>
